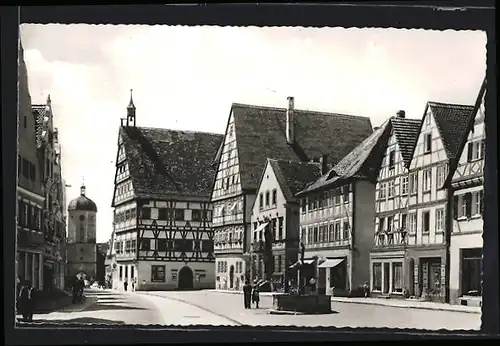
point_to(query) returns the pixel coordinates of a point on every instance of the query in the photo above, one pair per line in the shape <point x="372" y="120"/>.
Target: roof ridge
<point x="173" y="130"/>
<point x="294" y="161"/>
<point x="450" y="105"/>
<point x="325" y="113"/>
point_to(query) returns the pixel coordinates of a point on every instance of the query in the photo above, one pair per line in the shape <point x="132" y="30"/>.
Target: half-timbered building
<point x="437" y="146"/>
<point x="467" y="220"/>
<point x="336" y="219"/>
<point x="387" y="258"/>
<point x="162" y="228"/>
<point x="276" y="212"/>
<point x="254" y="134"/>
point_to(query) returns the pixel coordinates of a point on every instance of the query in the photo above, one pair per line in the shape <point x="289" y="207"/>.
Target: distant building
<point x="254" y="134"/>
<point x="337" y="217"/>
<point x="276" y="213"/>
<point x="82" y="247"/>
<point x="466" y="223"/>
<point x="30" y="197"/>
<point x="163" y="237"/>
<point x="102" y="249"/>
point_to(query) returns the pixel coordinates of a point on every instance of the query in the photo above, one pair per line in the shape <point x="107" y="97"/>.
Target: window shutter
<point x="481" y="201"/>
<point x="468" y="199"/>
<point x="469" y="151"/>
<point x="455" y="207"/>
<point x="482" y="148"/>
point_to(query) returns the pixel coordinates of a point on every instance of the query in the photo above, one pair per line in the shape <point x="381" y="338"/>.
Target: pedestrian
<point x="247" y="295"/>
<point x="75" y="290"/>
<point x="366" y="289"/>
<point x="27" y="298"/>
<point x="255" y="295"/>
<point x="125" y="285"/>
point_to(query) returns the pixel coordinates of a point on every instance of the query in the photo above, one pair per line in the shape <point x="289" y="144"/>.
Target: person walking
<point x="247" y="295"/>
<point x="133" y="285"/>
<point x="255" y="294"/>
<point x="125" y="285"/>
<point x="27" y="301"/>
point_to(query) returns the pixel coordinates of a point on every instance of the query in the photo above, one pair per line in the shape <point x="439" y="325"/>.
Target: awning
<point x="234" y="206"/>
<point x="298" y="263"/>
<point x="331" y="263"/>
<point x="261" y="227"/>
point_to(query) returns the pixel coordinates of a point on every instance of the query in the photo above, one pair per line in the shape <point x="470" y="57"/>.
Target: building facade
<point x="467" y="218"/>
<point x="163" y="239"/>
<point x="275" y="212"/>
<point x="254" y="134"/>
<point x="30" y="197"/>
<point x="81" y="246"/>
<point x="388" y="258"/>
<point x="337" y="216"/>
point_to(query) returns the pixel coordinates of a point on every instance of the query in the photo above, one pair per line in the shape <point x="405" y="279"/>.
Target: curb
<point x="444" y="308"/>
<point x="294" y="313"/>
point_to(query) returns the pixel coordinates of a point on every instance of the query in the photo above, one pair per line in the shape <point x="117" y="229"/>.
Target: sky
<point x="186" y="78"/>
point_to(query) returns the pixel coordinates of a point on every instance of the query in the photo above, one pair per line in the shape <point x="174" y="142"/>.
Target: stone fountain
<point x="302" y="302"/>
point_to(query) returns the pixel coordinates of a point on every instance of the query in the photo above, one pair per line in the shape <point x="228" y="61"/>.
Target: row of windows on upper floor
<point x="26" y="168"/>
<point x="82" y="218"/>
<point x="226" y="182"/>
<point x="228" y="236"/>
<point x="268" y="201"/>
<point x="326" y="233"/>
<point x="123" y="188"/>
<point x="326" y="199"/>
<point x="29" y="216"/>
<point x="465" y="206"/>
<point x="164" y="214"/>
<point x="179" y="245"/>
<point x="222" y="267"/>
<point x="274" y="225"/>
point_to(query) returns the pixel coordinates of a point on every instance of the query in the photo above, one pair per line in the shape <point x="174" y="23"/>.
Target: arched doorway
<point x="185" y="279"/>
<point x="231" y="276"/>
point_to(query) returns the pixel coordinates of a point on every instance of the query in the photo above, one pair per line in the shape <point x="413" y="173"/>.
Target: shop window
<point x="397" y="277"/>
<point x="157" y="273"/>
<point x="377" y="277"/>
<point x="471" y="263"/>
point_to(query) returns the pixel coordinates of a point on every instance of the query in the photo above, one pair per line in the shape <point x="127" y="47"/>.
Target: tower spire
<point x="131" y="111"/>
<point x="82" y="188"/>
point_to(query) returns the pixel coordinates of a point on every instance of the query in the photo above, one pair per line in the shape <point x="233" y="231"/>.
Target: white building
<point x="163" y="238"/>
<point x="467" y="221"/>
<point x="254" y="134"/>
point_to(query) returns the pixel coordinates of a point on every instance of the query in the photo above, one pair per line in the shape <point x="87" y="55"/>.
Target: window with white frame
<point x="413" y="183"/>
<point x="404" y="185"/>
<point x="441" y="175"/>
<point x="426" y="221"/>
<point x="412" y="223"/>
<point x="465" y="205"/>
<point x="477" y="200"/>
<point x="382" y="191"/>
<point x="390" y="189"/>
<point x="427" y="143"/>
<point x="426" y="177"/>
<point x="440" y="220"/>
<point x="475" y="150"/>
<point x="390" y="222"/>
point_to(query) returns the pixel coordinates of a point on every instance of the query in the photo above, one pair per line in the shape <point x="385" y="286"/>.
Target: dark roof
<point x="452" y="121"/>
<point x="406" y="131"/>
<point x="293" y="176"/>
<point x="163" y="162"/>
<point x="260" y="134"/>
<point x="82" y="202"/>
<point x="362" y="162"/>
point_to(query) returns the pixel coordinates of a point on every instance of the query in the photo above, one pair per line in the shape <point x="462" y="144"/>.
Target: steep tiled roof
<point x="293" y="176"/>
<point x="260" y="134"/>
<point x="406" y="131"/>
<point x="163" y="162"/>
<point x="452" y="121"/>
<point x="362" y="162"/>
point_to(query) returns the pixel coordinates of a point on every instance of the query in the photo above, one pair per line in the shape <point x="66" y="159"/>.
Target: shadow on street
<point x="78" y="320"/>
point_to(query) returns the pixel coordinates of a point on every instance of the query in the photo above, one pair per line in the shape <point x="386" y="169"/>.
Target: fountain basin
<point x="301" y="304"/>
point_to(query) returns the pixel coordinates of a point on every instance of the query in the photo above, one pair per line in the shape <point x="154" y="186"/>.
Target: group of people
<point x="77" y="291"/>
<point x="251" y="294"/>
<point x="26" y="299"/>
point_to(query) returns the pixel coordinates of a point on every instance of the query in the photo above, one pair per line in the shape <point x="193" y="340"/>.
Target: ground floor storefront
<point x="427" y="270"/>
<point x="389" y="273"/>
<point x="231" y="271"/>
<point x="466" y="253"/>
<point x="30" y="266"/>
<point x="164" y="275"/>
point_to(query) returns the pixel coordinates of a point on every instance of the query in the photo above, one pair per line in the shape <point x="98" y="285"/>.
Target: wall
<point x="171" y="281"/>
<point x="89" y="225"/>
<point x="364" y="219"/>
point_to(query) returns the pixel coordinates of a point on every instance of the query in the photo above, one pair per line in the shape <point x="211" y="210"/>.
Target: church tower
<point x="131" y="112"/>
<point x="82" y="247"/>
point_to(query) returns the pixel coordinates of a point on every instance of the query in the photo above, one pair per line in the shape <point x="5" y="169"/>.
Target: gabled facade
<point x="254" y="134"/>
<point x="275" y="212"/>
<point x="337" y="216"/>
<point x="443" y="126"/>
<point x="387" y="258"/>
<point x="162" y="213"/>
<point x="467" y="218"/>
<point x="30" y="198"/>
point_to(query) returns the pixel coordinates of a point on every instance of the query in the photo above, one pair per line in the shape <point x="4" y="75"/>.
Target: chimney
<point x="323" y="162"/>
<point x="290" y="121"/>
<point x="401" y="114"/>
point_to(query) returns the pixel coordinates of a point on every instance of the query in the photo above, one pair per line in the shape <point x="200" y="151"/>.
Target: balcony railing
<point x="393" y="238"/>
